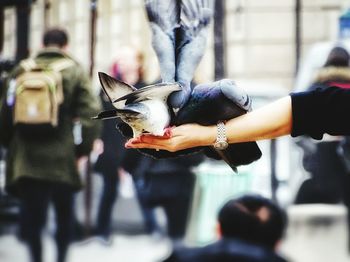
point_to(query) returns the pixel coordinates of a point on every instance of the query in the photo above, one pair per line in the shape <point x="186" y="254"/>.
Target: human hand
<point x="176" y="138"/>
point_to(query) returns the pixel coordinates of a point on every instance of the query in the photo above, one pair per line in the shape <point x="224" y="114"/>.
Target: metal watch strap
<point x="221" y="133"/>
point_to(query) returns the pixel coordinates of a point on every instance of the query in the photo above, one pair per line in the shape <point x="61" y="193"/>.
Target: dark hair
<point x="253" y="218"/>
<point x="55" y="36"/>
<point x="338" y="56"/>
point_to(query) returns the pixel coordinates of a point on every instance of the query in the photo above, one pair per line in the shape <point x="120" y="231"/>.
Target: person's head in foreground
<point x="254" y="219"/>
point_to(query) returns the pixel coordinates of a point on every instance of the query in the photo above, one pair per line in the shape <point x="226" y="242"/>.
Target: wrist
<point x="208" y="137"/>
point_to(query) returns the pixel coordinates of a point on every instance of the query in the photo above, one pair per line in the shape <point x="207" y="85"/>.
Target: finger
<point x="135" y="140"/>
<point x="167" y="134"/>
<point x="149" y="142"/>
<point x="143" y="145"/>
<point x="150" y="139"/>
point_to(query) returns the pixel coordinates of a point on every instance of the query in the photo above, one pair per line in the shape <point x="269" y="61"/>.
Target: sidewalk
<point x="124" y="248"/>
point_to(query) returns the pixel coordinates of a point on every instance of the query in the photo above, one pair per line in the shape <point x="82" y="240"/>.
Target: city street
<point x="316" y="233"/>
<point x="123" y="248"/>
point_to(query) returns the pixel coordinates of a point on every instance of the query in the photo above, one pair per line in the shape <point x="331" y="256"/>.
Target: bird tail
<point x="115" y="113"/>
<point x="156" y="91"/>
<point x="236" y="154"/>
<point x="195" y="14"/>
<point x="164" y="13"/>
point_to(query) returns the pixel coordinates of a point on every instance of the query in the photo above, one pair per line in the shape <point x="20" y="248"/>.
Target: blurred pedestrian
<point x="250" y="228"/>
<point x="42" y="156"/>
<point x="329" y="181"/>
<point x="169" y="184"/>
<point x="128" y="67"/>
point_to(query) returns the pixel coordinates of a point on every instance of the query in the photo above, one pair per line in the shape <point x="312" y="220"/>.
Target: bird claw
<point x="167" y="132"/>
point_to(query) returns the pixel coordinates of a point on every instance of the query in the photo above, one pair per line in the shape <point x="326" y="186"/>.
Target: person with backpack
<point x="45" y="97"/>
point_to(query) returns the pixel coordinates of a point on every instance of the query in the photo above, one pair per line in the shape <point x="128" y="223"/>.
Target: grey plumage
<point x="211" y="102"/>
<point x="220" y="100"/>
<point x="179" y="33"/>
<point x="195" y="18"/>
<point x="164" y="16"/>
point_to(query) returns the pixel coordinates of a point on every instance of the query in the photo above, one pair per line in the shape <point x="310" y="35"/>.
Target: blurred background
<point x="270" y="48"/>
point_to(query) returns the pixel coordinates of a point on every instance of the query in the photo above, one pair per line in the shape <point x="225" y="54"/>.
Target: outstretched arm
<point x="312" y="113"/>
<point x="270" y="121"/>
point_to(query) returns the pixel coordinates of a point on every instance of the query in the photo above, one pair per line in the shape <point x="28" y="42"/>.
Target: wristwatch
<point x="221" y="139"/>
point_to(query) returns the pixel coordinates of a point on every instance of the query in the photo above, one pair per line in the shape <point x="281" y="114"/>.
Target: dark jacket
<point x="163" y="179"/>
<point x="53" y="158"/>
<point x="113" y="144"/>
<point x="225" y="250"/>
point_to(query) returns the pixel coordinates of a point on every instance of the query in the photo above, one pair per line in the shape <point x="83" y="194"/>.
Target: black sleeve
<point x="323" y="110"/>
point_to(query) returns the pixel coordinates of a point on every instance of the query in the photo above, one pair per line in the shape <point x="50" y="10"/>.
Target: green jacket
<point x="53" y="158"/>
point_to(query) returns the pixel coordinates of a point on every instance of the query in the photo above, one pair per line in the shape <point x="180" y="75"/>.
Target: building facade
<point x="259" y="38"/>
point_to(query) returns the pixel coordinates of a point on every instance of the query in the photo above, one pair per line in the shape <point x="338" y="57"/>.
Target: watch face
<point x="221" y="145"/>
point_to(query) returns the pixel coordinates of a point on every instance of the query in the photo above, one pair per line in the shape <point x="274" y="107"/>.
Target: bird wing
<point x="195" y="15"/>
<point x="220" y="100"/>
<point x="190" y="46"/>
<point x="164" y="16"/>
<point x="211" y="102"/>
<point x="134" y="115"/>
<point x="164" y="13"/>
<point x="134" y="110"/>
<point x="236" y="154"/>
<point x="108" y="114"/>
<point x="195" y="18"/>
<point x="114" y="89"/>
<point x="158" y="91"/>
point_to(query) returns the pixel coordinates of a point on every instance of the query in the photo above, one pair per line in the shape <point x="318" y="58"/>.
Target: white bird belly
<point x="158" y="118"/>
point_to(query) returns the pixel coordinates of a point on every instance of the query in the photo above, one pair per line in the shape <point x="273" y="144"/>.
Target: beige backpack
<point x="39" y="93"/>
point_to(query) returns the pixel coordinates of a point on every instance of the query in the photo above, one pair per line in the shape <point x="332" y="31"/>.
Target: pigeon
<point x="179" y="30"/>
<point x="220" y="100"/>
<point x="179" y="35"/>
<point x="144" y="110"/>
